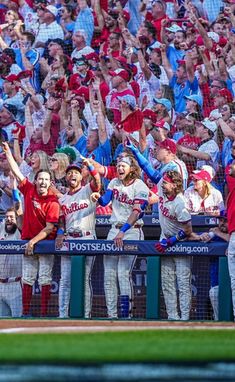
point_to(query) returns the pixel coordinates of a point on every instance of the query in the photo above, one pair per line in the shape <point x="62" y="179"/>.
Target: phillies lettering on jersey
<point x="73" y="208"/>
<point x="79" y="210"/>
<point x="164" y="210"/>
<point x="122" y="197"/>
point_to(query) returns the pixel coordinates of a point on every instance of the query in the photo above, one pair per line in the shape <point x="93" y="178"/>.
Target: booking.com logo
<point x="179" y="248"/>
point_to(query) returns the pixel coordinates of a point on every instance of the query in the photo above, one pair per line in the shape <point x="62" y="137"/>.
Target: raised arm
<point x="12" y="163"/>
<point x="165" y="63"/>
<point x="144" y="164"/>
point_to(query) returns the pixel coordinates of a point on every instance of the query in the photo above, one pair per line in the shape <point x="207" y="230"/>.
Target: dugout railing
<point x="78" y="249"/>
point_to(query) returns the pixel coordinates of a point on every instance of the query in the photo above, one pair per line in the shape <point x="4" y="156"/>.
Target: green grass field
<point x="138" y="346"/>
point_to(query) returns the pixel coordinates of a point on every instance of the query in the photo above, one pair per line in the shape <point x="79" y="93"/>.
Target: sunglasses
<point x="53" y="160"/>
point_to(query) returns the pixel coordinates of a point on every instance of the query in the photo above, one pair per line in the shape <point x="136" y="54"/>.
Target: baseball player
<point x="41" y="213"/>
<point x="77" y="221"/>
<point x="230" y="179"/>
<point x="129" y="196"/>
<point x="10" y="270"/>
<point x="175" y="222"/>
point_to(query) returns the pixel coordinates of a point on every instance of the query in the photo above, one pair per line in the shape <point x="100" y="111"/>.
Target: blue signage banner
<point x="100" y="247"/>
<point x="153" y="220"/>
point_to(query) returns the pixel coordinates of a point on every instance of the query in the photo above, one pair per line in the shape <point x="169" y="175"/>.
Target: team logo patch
<point x="65" y="247"/>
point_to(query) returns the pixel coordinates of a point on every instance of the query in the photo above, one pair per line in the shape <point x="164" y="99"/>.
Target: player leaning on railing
<point x="129" y="196"/>
<point x="175" y="222"/>
<point x="77" y="222"/>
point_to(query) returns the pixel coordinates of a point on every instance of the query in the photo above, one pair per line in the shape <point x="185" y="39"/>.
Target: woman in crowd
<point x="202" y="197"/>
<point x="58" y="163"/>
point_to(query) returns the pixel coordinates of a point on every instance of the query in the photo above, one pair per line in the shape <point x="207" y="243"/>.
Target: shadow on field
<point x="119" y="373"/>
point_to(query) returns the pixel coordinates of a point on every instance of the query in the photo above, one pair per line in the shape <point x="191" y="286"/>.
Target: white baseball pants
<point x="118" y="272"/>
<point x="176" y="271"/>
<point x="11" y="299"/>
<point x="231" y="266"/>
<point x="37" y="264"/>
<point x="65" y="283"/>
<point x="214" y="299"/>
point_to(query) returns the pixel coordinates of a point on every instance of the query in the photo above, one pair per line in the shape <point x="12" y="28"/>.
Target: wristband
<point x="60" y="231"/>
<point x="92" y="169"/>
<point x="125" y="227"/>
<point x="15" y="195"/>
<point x="49" y="108"/>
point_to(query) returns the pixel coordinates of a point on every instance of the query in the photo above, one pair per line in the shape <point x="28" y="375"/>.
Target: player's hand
<point x="130" y="145"/>
<point x="95" y="196"/>
<point x="29" y="248"/>
<point x="118" y="240"/>
<point x="59" y="241"/>
<point x="205" y="237"/>
<point x="161" y="246"/>
<point x="5" y="147"/>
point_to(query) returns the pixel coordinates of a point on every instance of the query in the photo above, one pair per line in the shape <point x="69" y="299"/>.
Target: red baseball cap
<point x="226" y="94"/>
<point x="121" y="73"/>
<point x="148" y="113"/>
<point x="11" y="78"/>
<point x="168" y="144"/>
<point x="201" y="175"/>
<point x="163" y="125"/>
<point x="74" y="81"/>
<point x="92" y="56"/>
<point x="126" y="15"/>
<point x="83" y="91"/>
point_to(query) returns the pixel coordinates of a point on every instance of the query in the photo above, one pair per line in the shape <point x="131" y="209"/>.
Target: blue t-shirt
<point x="33" y="56"/>
<point x="173" y="55"/>
<point x="101" y="154"/>
<point x="180" y="90"/>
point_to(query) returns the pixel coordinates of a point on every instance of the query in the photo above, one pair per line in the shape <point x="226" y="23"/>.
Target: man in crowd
<point x="77" y="221"/>
<point x="10" y="270"/>
<point x="175" y="222"/>
<point x="41" y="214"/>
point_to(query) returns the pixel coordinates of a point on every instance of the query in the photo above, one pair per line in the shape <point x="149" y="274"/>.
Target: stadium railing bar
<point x="78" y="249"/>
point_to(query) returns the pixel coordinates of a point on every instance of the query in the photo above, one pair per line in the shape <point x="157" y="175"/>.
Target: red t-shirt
<point x="50" y="146"/>
<point x="192" y="143"/>
<point x="231" y="203"/>
<point x="39" y="210"/>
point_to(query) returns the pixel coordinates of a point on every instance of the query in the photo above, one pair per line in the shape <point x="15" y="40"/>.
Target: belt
<point x="10" y="280"/>
<point x="134" y="226"/>
<point x="79" y="233"/>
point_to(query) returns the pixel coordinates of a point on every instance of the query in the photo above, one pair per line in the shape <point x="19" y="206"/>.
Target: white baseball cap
<point x="210" y="125"/>
<point x="174" y="28"/>
<point x="214" y="36"/>
<point x="53" y="10"/>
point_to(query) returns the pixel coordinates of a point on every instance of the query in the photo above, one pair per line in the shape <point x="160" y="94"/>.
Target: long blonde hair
<point x="43" y="157"/>
<point x="63" y="163"/>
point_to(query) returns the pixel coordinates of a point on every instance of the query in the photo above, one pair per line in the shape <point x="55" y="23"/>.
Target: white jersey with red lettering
<point x="10" y="275"/>
<point x="79" y="210"/>
<point x="173" y="213"/>
<point x="213" y="203"/>
<point x="10" y="265"/>
<point x="79" y="214"/>
<point x="124" y="197"/>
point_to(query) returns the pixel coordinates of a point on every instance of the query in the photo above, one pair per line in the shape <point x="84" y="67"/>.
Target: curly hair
<point x="177" y="179"/>
<point x="135" y="172"/>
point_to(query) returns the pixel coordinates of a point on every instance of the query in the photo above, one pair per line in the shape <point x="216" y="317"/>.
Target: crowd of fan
<point x="96" y="78"/>
<point x="86" y="77"/>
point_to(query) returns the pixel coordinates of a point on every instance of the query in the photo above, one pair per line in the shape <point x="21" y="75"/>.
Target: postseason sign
<point x="100" y="247"/>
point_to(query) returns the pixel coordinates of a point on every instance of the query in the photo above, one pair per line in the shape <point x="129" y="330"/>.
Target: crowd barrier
<point x="78" y="249"/>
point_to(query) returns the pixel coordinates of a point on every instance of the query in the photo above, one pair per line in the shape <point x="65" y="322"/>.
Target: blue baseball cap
<point x="196" y="98"/>
<point x="163" y="101"/>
